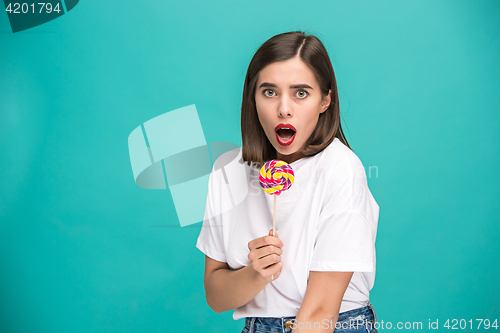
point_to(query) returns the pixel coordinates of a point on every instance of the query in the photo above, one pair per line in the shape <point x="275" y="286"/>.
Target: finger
<point x="264" y="241"/>
<point x="270" y="240"/>
<point x="277" y="269"/>
<point x="265" y="262"/>
<point x="267" y="250"/>
<point x="271" y="233"/>
<point x="272" y="272"/>
<point x="270" y="260"/>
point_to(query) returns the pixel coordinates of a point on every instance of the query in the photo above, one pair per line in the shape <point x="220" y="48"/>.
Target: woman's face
<point x="289" y="102"/>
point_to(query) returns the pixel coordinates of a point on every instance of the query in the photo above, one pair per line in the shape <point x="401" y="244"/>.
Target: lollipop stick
<point x="274" y="217"/>
<point x="274" y="226"/>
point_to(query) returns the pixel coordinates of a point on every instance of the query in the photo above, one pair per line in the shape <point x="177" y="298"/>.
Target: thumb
<point x="271" y="232"/>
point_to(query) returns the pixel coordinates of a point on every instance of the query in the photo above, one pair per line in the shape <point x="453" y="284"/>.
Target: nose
<point x="285" y="107"/>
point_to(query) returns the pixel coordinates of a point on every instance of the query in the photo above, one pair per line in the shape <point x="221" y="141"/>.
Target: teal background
<point x="84" y="249"/>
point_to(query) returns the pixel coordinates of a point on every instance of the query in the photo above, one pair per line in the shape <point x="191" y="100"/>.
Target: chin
<point x="285" y="150"/>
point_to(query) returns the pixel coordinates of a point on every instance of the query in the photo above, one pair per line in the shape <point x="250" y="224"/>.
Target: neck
<point x="290" y="158"/>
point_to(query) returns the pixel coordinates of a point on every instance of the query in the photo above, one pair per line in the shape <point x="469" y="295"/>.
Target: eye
<point x="302" y="94"/>
<point x="269" y="92"/>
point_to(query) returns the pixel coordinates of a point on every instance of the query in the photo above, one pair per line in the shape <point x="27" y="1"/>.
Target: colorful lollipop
<point x="275" y="177"/>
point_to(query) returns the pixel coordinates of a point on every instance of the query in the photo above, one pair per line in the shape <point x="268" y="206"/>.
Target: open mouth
<point x="285" y="133"/>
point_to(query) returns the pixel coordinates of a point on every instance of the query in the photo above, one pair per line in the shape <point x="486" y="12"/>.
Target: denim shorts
<point x="360" y="320"/>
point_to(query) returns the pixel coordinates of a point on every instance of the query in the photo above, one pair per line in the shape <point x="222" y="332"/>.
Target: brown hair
<point x="256" y="147"/>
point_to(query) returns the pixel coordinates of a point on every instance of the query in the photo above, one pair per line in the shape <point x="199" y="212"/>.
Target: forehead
<point x="286" y="72"/>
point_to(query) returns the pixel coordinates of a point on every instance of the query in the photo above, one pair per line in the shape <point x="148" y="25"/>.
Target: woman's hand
<point x="265" y="255"/>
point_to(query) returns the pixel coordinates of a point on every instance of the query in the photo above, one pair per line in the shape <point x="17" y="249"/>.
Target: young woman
<point x="316" y="275"/>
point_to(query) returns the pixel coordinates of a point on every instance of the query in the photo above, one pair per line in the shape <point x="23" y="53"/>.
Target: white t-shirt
<point x="327" y="221"/>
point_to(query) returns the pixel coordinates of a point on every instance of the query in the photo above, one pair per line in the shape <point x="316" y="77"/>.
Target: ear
<point x="326" y="101"/>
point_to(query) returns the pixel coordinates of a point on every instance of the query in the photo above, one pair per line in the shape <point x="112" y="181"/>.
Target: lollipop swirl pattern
<point x="276" y="176"/>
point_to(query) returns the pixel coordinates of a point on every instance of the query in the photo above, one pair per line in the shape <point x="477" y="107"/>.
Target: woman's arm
<point x="321" y="304"/>
<point x="226" y="289"/>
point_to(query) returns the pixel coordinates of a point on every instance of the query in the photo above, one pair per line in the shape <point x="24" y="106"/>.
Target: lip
<point x="289" y="141"/>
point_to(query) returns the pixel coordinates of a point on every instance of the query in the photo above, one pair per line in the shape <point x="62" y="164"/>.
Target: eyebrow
<point x="272" y="85"/>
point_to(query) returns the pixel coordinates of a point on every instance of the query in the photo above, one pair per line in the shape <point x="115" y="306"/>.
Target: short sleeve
<point x="210" y="240"/>
<point x="344" y="244"/>
<point x="346" y="229"/>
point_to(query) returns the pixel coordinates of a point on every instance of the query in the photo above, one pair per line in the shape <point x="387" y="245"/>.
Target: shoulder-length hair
<point x="256" y="147"/>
